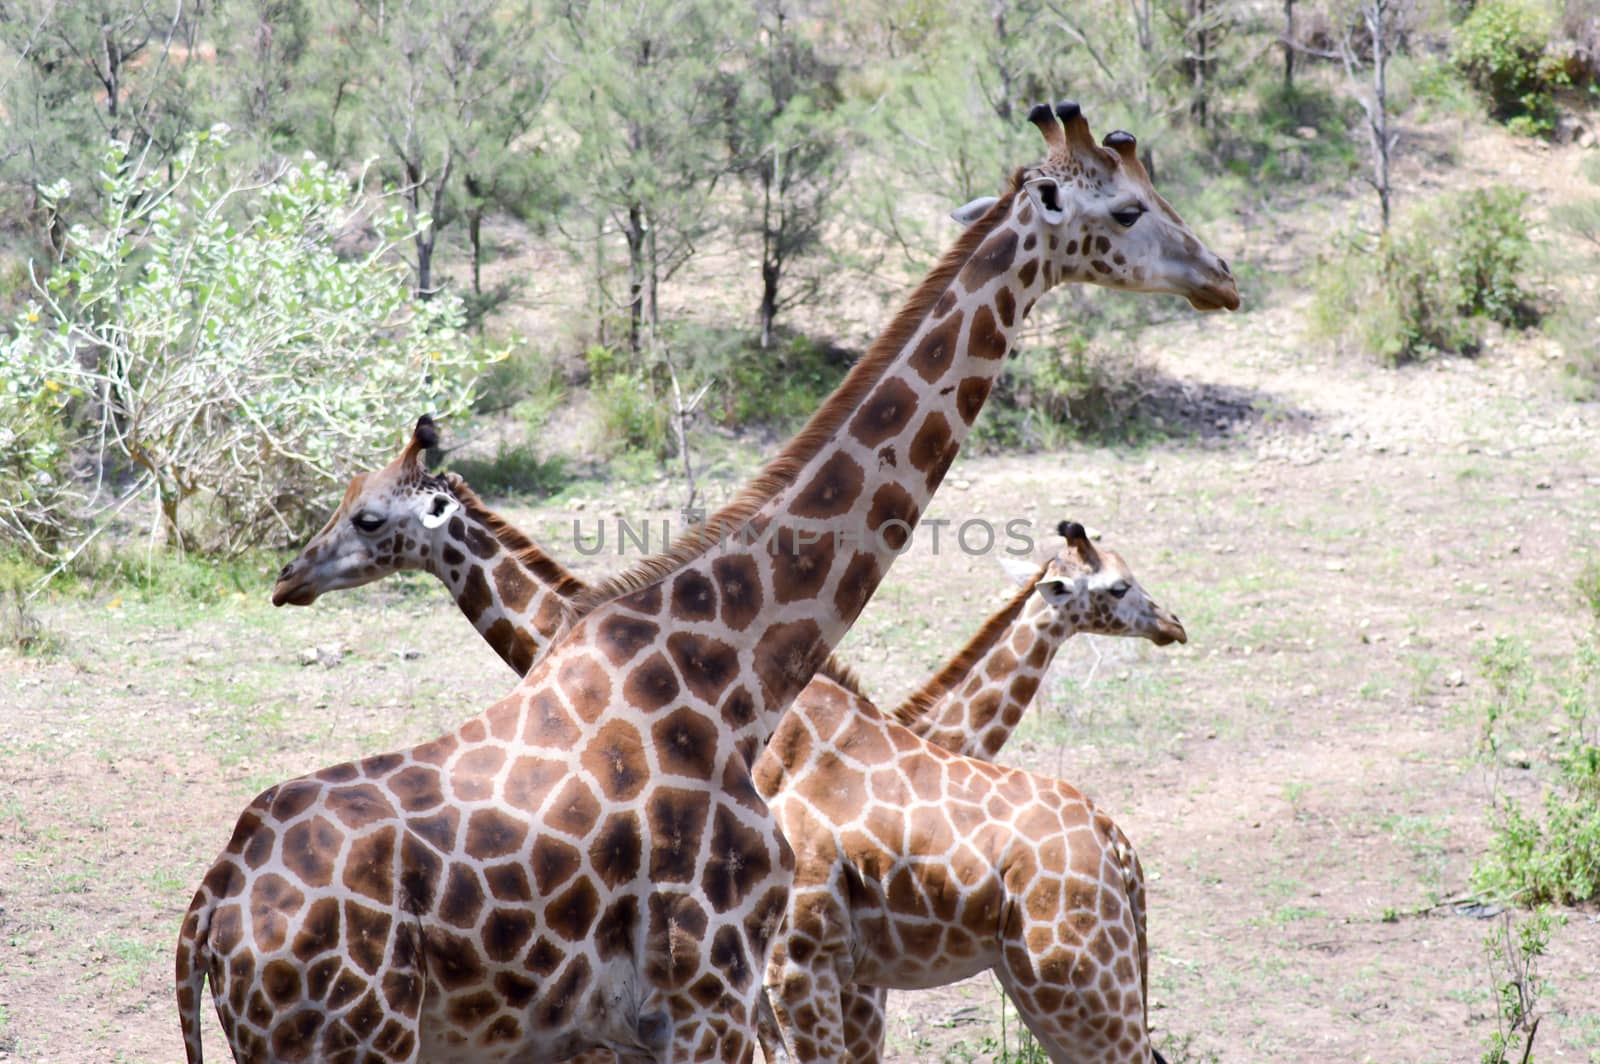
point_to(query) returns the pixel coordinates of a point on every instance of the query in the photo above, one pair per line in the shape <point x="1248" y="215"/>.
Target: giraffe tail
<point x="192" y="964"/>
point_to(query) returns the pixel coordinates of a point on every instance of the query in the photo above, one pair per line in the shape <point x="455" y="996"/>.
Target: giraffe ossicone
<point x="588" y="863"/>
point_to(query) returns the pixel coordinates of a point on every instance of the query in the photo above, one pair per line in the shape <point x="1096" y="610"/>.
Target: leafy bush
<point x="1045" y="398"/>
<point x="1503" y="49"/>
<point x="1552" y="855"/>
<point x="1429" y="287"/>
<point x="777" y="388"/>
<point x="515" y="469"/>
<point x="630" y="416"/>
<point x="235" y="356"/>
<point x="39" y="501"/>
<point x="1577" y="322"/>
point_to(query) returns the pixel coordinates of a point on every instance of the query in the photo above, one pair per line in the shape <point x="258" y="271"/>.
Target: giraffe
<point x="972" y="705"/>
<point x="1080" y="588"/>
<point x="587" y="863"/>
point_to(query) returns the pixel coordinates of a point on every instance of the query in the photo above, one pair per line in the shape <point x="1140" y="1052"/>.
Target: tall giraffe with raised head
<point x="588" y="863"/>
<point x="1082" y="588"/>
<point x="974" y="703"/>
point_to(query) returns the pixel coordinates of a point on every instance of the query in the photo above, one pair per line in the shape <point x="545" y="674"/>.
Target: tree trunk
<point x="1288" y="45"/>
<point x="1198" y="105"/>
<point x="475" y="235"/>
<point x="474" y="192"/>
<point x="1380" y="92"/>
<point x="636" y="279"/>
<point x="600" y="308"/>
<point x="771" y="264"/>
<point x="424" y="241"/>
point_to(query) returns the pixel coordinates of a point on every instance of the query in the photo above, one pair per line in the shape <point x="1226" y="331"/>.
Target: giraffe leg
<point x="713" y="1038"/>
<point x="804" y="981"/>
<point x="866" y="1020"/>
<point x="1075" y="1024"/>
<point x="770" y="1033"/>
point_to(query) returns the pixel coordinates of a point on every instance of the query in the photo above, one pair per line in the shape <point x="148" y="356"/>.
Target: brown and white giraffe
<point x="1082" y="588"/>
<point x="587" y="863"/>
<point x="974" y="703"/>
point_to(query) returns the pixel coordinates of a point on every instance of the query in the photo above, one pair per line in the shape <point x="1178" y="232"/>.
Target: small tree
<point x="1385" y="24"/>
<point x="642" y="97"/>
<point x="785" y="136"/>
<point x="227" y="351"/>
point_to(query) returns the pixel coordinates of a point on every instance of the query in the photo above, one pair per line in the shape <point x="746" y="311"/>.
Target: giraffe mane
<point x="780" y="472"/>
<point x="569" y="587"/>
<point x="551" y="572"/>
<point x="922" y="701"/>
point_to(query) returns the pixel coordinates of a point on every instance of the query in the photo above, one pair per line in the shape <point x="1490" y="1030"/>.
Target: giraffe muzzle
<point x="1169" y="630"/>
<point x="291" y="589"/>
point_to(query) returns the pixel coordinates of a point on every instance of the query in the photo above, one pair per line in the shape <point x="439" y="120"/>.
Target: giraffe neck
<point x="516" y="596"/>
<point x="779" y="576"/>
<point x="976" y="701"/>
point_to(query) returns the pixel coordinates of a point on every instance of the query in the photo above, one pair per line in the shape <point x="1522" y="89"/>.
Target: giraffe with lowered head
<point x="588" y="863"/>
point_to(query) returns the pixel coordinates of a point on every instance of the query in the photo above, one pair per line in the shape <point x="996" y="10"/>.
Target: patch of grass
<point x="131" y="957"/>
<point x="1588" y="584"/>
<point x="1180" y="1049"/>
<point x="1016" y="1044"/>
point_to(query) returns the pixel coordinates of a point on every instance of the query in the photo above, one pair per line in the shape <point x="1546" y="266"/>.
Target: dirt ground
<point x="1341" y="542"/>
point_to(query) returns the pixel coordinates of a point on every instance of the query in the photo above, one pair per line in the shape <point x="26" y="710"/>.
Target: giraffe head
<point x="391" y="519"/>
<point x="1092" y="215"/>
<point x="1095" y="592"/>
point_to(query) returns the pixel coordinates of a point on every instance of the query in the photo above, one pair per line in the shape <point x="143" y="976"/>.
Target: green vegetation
<point x="1549" y="854"/>
<point x="1516" y="985"/>
<point x="223" y="323"/>
<point x="1576" y="323"/>
<point x="1504" y="49"/>
<point x="1431" y="285"/>
<point x="262" y="323"/>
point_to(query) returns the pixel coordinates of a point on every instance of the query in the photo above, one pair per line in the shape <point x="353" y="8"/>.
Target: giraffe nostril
<point x="284" y="572"/>
<point x="1224" y="264"/>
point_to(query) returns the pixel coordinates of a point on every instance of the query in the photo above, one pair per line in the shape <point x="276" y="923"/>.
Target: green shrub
<point x="243" y="366"/>
<point x="630" y="415"/>
<point x="1429" y="287"/>
<point x="1576" y="324"/>
<point x="515" y="469"/>
<point x="1589" y="588"/>
<point x="777" y="388"/>
<point x="39" y="500"/>
<point x="1296" y="133"/>
<point x="1045" y="398"/>
<point x="1553" y="854"/>
<point x="1503" y="49"/>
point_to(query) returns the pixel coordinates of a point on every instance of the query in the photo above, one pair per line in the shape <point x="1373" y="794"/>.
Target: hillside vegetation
<point x="282" y="230"/>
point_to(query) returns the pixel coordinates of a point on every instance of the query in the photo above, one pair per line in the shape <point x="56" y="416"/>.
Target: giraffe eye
<point x="1119" y="589"/>
<point x="367" y="521"/>
<point x="1127" y="216"/>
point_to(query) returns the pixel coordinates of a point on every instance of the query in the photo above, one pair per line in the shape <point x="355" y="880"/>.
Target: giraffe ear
<point x="1054" y="591"/>
<point x="1046" y="194"/>
<point x="436" y="508"/>
<point x="1020" y="570"/>
<point x="968" y="213"/>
